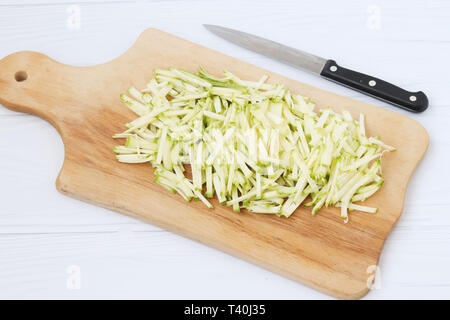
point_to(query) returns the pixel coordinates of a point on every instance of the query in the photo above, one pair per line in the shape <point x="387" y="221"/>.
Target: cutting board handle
<point x="25" y="80"/>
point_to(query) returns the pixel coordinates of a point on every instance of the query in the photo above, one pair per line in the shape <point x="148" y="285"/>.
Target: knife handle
<point x="411" y="101"/>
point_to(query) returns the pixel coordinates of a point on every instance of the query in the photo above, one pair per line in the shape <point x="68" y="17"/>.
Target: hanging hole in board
<point x="21" y="76"/>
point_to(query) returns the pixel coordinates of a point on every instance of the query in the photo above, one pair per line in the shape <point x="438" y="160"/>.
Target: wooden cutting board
<point x="83" y="104"/>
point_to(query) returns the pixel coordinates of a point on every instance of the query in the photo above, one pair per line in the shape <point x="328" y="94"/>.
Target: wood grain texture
<point x="82" y="103"/>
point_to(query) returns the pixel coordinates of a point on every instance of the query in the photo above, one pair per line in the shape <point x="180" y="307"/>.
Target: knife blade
<point x="326" y="68"/>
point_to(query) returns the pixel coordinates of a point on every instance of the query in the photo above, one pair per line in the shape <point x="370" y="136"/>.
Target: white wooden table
<point x="52" y="246"/>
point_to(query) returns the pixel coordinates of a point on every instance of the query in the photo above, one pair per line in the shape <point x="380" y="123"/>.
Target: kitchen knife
<point x="328" y="69"/>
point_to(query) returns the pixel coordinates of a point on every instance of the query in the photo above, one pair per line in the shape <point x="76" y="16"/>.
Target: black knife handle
<point x="411" y="101"/>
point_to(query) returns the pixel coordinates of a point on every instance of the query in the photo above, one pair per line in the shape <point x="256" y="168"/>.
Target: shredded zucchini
<point x="254" y="145"/>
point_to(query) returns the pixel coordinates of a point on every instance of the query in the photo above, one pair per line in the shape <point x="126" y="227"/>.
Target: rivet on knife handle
<point x="412" y="101"/>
